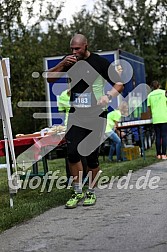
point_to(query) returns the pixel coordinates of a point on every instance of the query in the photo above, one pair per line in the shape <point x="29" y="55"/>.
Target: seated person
<point x="111" y="130"/>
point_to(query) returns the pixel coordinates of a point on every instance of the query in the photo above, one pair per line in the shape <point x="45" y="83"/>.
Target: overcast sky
<point x="73" y="6"/>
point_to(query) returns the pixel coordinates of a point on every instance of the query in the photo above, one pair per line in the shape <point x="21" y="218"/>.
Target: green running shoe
<point x="90" y="199"/>
<point x="73" y="201"/>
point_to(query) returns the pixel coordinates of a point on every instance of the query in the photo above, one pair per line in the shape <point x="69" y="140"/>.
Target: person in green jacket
<point x="63" y="103"/>
<point x="112" y="132"/>
<point x="157" y="105"/>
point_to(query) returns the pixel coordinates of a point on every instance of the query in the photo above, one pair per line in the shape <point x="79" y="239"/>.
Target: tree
<point x="96" y="29"/>
<point x="25" y="47"/>
<point x="139" y="25"/>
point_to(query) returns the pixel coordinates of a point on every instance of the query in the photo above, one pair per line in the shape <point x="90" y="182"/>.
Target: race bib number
<point x="82" y="100"/>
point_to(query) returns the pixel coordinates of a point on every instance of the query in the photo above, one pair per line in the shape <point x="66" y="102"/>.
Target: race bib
<point x="82" y="100"/>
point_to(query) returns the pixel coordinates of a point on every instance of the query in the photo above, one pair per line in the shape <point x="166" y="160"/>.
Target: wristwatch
<point x="109" y="97"/>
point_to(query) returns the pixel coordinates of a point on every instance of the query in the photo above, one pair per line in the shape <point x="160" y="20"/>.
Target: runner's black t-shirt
<point x="83" y="75"/>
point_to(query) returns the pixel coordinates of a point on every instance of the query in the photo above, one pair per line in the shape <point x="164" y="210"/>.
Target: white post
<point x="4" y="112"/>
<point x="8" y="163"/>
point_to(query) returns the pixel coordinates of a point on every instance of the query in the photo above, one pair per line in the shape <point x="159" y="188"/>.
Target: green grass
<point x="29" y="203"/>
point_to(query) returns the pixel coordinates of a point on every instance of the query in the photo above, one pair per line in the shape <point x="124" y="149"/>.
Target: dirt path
<point x="122" y="220"/>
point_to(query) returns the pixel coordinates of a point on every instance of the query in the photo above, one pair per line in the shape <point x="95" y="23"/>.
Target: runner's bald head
<point x="79" y="38"/>
<point x="79" y="47"/>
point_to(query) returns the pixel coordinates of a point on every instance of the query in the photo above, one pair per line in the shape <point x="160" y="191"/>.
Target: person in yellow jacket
<point x="157" y="105"/>
<point x="113" y="118"/>
<point x="63" y="103"/>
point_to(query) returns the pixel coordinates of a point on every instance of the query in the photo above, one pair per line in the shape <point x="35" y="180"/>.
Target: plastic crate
<point x="130" y="153"/>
